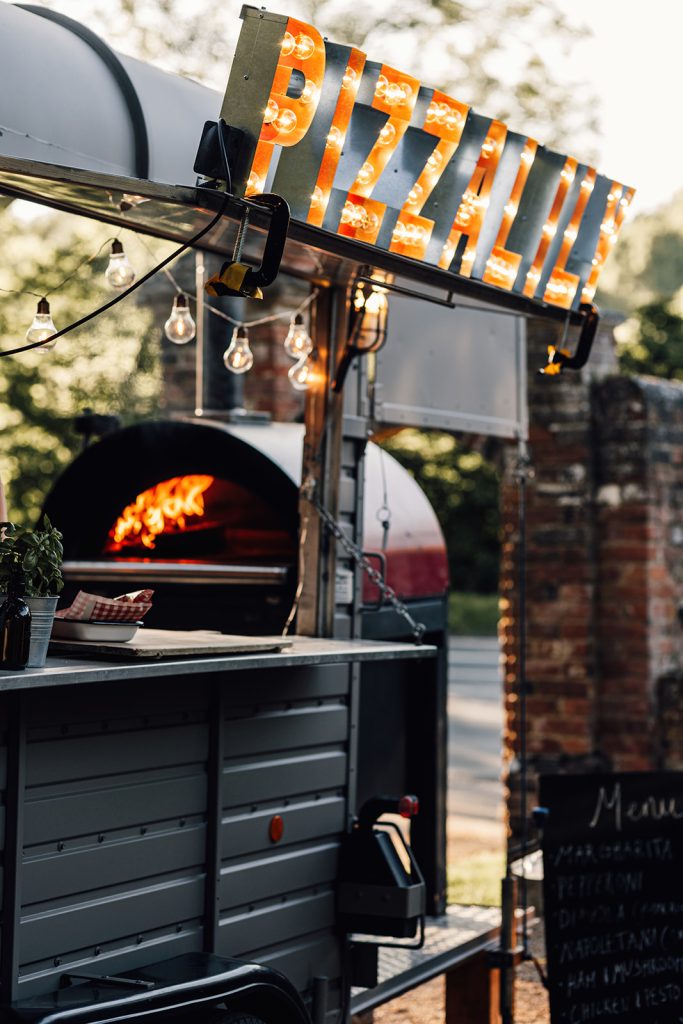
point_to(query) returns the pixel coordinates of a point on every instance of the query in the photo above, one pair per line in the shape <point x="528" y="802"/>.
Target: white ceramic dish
<point x="76" y="629"/>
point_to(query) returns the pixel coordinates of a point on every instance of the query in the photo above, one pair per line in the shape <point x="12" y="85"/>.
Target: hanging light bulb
<point x="238" y="357"/>
<point x="42" y="327"/>
<point x="301" y="374"/>
<point x="298" y="342"/>
<point x="180" y="327"/>
<point x="119" y="273"/>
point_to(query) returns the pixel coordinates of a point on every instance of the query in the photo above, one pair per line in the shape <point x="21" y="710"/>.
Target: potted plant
<point x="39" y="553"/>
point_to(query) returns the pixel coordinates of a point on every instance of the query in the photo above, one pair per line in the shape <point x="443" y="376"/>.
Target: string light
<point x="42" y="327"/>
<point x="238" y="357"/>
<point x="180" y="327"/>
<point x="298" y="342"/>
<point x="300" y="375"/>
<point x="119" y="273"/>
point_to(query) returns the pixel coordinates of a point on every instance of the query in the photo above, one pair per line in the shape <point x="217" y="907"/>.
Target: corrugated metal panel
<point x="245" y="931"/>
<point x="283" y="894"/>
<point x="306" y="819"/>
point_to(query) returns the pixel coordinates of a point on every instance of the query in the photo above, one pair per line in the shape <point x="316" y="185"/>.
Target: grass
<point x="476" y="879"/>
<point x="473" y="614"/>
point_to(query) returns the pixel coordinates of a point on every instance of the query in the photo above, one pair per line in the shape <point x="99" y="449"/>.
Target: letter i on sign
<point x="335" y="138"/>
<point x="503" y="264"/>
<point x="567" y="175"/>
<point x="395" y="95"/>
<point x="474" y="203"/>
<point x="287" y="118"/>
<point x="618" y="202"/>
<point x="445" y="119"/>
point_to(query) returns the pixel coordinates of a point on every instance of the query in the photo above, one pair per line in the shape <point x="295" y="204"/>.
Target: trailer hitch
<point x="382" y="891"/>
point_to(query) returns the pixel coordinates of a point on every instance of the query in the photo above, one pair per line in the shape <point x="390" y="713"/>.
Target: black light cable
<point x="146" y="277"/>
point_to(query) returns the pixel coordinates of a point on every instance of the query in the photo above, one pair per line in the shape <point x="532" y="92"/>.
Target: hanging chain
<point x="388" y="593"/>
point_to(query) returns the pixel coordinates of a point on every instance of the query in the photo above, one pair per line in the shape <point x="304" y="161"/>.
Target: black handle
<point x="274" y="248"/>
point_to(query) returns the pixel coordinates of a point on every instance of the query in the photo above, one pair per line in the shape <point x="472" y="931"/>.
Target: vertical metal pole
<point x="507" y="946"/>
<point x="14" y="842"/>
<point x="199" y="341"/>
<point x="214" y="814"/>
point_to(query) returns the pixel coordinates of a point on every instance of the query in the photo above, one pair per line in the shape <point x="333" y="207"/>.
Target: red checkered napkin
<point x="93" y="608"/>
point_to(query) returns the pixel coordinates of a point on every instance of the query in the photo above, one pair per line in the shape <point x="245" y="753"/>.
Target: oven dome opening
<point x="200" y="518"/>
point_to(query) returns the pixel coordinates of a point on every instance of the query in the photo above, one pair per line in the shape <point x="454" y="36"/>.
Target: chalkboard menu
<point x="613" y="893"/>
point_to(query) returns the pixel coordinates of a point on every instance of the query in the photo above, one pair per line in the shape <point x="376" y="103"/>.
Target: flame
<point x="163" y="508"/>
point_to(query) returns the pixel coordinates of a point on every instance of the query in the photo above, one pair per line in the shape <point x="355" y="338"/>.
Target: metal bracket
<point x="236" y="278"/>
<point x="560" y="359"/>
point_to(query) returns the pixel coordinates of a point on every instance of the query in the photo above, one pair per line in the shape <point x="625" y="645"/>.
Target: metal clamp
<point x="560" y="359"/>
<point x="237" y="278"/>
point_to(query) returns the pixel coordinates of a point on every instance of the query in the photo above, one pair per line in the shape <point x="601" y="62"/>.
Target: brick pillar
<point x="639" y="432"/>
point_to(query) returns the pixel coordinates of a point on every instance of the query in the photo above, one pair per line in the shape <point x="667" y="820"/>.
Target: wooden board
<point x="171" y="643"/>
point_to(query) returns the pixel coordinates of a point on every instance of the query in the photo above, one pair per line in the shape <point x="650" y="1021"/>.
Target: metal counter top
<point x="71" y="671"/>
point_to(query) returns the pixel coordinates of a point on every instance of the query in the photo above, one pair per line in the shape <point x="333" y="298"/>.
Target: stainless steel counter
<point x="73" y="671"/>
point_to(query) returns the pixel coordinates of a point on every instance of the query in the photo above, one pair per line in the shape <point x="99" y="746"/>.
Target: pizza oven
<point x="206" y="513"/>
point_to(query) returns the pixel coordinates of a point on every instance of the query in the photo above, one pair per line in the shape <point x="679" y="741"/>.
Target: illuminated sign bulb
<point x="488" y="148"/>
<point x="370" y="220"/>
<point x="394" y="94"/>
<point x="570" y="234"/>
<point x="527" y="157"/>
<point x="624" y="201"/>
<point x="238" y="357"/>
<point x="415" y="194"/>
<point x="452" y="119"/>
<point x="317" y="197"/>
<point x="611" y="197"/>
<point x="287" y="45"/>
<point x="309" y="92"/>
<point x="272" y="110"/>
<point x="607" y="228"/>
<point x="350" y="78"/>
<point x="549" y="230"/>
<point x="501" y="270"/>
<point x="285" y="122"/>
<point x="567" y="174"/>
<point x="435" y="160"/>
<point x="387" y="134"/>
<point x="587" y="186"/>
<point x="304" y="47"/>
<point x="334" y="138"/>
<point x="254" y="183"/>
<point x="381" y="87"/>
<point x="511" y="209"/>
<point x="366" y="173"/>
<point x="448" y="251"/>
<point x="533" y="275"/>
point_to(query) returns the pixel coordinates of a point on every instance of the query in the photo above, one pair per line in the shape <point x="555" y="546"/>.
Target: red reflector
<point x="276" y="828"/>
<point x="408" y="806"/>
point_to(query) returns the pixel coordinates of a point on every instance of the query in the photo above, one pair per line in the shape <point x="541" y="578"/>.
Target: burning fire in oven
<point x="162" y="509"/>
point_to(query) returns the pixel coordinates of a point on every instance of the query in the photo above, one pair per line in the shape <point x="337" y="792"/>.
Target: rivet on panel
<point x="57" y="961"/>
<point x="97" y="950"/>
<point x="181" y="822"/>
<point x="100" y="838"/>
<point x="143" y="830"/>
<point x="60" y="846"/>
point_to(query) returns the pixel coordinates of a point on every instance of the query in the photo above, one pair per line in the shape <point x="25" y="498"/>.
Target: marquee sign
<point x="365" y="150"/>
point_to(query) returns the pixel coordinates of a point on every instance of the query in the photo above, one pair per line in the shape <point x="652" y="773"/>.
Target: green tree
<point x="651" y="342"/>
<point x="463" y="489"/>
<point x="647" y="265"/>
<point x="497" y="56"/>
<point x="110" y="364"/>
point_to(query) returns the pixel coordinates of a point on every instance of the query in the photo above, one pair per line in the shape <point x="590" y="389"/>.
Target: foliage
<point x="463" y="489"/>
<point x="647" y="265"/>
<point x="651" y="342"/>
<point x="476" y="880"/>
<point x="110" y="364"/>
<point x="38" y="552"/>
<point x="498" y="56"/>
<point x="472" y="614"/>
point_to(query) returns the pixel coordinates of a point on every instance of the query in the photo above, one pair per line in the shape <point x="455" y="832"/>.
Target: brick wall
<point x="604" y="573"/>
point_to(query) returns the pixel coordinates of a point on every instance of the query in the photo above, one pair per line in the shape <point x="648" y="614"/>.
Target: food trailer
<point x="201" y="833"/>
